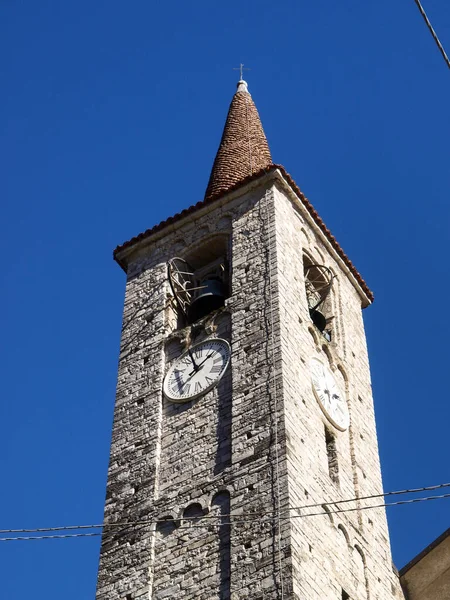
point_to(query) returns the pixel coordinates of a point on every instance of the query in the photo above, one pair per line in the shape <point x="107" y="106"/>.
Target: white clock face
<point x="197" y="370"/>
<point x="330" y="398"/>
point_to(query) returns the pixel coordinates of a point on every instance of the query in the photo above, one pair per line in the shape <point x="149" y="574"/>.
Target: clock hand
<point x="201" y="364"/>
<point x="203" y="361"/>
<point x="183" y="383"/>
<point x="195" y="365"/>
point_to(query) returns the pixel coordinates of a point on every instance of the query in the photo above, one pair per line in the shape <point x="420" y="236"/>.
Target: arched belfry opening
<point x="200" y="280"/>
<point x="318" y="287"/>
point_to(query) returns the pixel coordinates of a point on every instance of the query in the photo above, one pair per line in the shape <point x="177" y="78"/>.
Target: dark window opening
<point x="333" y="466"/>
<point x="193" y="513"/>
<point x="210" y="289"/>
<point x="200" y="282"/>
<point x="345" y="596"/>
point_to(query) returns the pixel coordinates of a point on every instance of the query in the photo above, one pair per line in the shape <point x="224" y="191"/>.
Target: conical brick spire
<point x="243" y="148"/>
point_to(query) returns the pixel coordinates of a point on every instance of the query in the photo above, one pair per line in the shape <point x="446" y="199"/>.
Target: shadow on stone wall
<point x="222" y="502"/>
<point x="223" y="430"/>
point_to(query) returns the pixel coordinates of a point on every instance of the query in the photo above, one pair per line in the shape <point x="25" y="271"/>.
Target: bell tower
<point x="244" y="410"/>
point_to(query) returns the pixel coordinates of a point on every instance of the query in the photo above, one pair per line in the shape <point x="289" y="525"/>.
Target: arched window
<point x="166" y="525"/>
<point x="318" y="287"/>
<point x="200" y="280"/>
<point x="328" y="511"/>
<point x="193" y="513"/>
<point x="345" y="544"/>
<point x="360" y="572"/>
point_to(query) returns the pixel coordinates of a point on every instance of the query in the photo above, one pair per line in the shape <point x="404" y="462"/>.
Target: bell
<point x="318" y="319"/>
<point x="210" y="297"/>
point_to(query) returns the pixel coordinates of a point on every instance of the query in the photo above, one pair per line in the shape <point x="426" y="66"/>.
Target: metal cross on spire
<point x="241" y="68"/>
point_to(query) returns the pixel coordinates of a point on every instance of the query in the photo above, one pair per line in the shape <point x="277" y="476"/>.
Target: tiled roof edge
<point x="210" y="199"/>
<point x="315" y="215"/>
<point x="187" y="211"/>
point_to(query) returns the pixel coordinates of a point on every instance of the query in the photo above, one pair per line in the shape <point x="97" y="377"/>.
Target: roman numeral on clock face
<point x="216" y="368"/>
<point x="198" y="387"/>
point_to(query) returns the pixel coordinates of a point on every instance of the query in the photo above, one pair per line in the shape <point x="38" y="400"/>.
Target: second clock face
<point x="197" y="370"/>
<point x="330" y="398"/>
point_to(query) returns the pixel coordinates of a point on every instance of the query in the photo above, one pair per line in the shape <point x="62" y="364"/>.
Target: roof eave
<point x="326" y="236"/>
<point x="434" y="544"/>
<point x="125" y="251"/>
<point x="122" y="253"/>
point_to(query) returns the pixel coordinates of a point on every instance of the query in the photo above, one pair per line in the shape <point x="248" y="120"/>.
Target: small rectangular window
<point x="332" y="455"/>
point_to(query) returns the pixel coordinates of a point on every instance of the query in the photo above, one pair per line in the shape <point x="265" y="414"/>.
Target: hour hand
<point x="200" y="365"/>
<point x="194" y="364"/>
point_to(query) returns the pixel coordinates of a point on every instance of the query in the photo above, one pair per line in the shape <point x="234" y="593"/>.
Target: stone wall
<point x="206" y="457"/>
<point x="331" y="552"/>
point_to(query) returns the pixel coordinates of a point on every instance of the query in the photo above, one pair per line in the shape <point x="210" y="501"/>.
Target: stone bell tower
<point x="244" y="409"/>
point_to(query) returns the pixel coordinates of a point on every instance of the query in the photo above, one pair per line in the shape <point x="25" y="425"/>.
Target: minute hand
<point x="199" y="366"/>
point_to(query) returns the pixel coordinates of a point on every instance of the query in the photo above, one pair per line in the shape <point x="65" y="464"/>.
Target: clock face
<point x="330" y="398"/>
<point x="197" y="371"/>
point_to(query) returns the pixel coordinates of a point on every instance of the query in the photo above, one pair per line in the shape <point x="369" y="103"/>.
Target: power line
<point x="383" y="505"/>
<point x="168" y="520"/>
<point x="433" y="33"/>
<point x="429" y="488"/>
<point x="48" y="537"/>
<point x="254" y="517"/>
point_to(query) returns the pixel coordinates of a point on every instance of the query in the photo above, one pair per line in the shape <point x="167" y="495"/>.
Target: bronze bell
<point x="210" y="296"/>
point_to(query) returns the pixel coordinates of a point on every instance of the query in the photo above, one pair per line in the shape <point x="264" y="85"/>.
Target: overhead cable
<point x="433" y="33"/>
<point x="250" y="518"/>
<point x="332" y="503"/>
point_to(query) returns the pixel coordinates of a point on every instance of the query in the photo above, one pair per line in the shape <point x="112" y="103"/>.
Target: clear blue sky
<point x="111" y="113"/>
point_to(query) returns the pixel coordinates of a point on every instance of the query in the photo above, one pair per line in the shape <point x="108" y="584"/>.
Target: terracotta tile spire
<point x="243" y="148"/>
